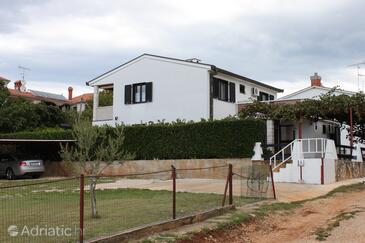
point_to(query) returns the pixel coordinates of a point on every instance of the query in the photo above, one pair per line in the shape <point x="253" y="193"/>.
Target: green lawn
<point x="57" y="204"/>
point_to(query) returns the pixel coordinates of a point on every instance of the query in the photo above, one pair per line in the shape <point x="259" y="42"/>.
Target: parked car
<point x="12" y="167"/>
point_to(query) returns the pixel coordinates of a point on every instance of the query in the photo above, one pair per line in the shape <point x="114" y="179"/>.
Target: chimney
<point x="70" y="89"/>
<point x="17" y="85"/>
<point x="316" y="80"/>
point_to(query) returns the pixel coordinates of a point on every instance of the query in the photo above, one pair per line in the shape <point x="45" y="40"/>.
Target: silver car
<point x="11" y="167"/>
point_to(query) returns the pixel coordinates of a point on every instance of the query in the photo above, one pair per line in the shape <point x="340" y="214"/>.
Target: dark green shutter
<point x="232" y="92"/>
<point x="149" y="92"/>
<point x="226" y="98"/>
<point x="215" y="88"/>
<point x="128" y="94"/>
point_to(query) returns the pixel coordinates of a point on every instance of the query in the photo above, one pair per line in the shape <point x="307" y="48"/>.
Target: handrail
<point x="317" y="149"/>
<point x="282" y="152"/>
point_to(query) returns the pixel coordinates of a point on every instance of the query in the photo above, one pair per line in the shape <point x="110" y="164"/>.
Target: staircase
<point x="282" y="157"/>
<point x="300" y="160"/>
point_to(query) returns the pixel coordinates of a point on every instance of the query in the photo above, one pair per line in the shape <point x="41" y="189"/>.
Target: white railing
<point x="306" y="148"/>
<point x="276" y="162"/>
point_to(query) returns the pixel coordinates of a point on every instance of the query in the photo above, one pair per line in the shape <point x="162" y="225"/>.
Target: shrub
<point x="230" y="138"/>
<point x="45" y="133"/>
<point x="206" y="139"/>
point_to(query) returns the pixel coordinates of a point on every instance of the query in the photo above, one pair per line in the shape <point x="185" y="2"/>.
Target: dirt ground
<point x="339" y="218"/>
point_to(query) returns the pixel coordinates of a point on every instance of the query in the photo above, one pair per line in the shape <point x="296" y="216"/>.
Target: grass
<point x="57" y="204"/>
<point x="323" y="233"/>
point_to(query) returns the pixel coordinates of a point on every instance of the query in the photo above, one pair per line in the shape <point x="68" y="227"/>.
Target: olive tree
<point x="94" y="150"/>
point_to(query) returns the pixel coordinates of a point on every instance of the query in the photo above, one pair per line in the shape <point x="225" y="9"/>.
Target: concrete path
<point x="286" y="192"/>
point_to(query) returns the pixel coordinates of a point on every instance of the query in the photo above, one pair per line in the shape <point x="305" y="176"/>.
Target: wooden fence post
<point x="272" y="182"/>
<point x="173" y="171"/>
<point x="81" y="230"/>
<point x="230" y="184"/>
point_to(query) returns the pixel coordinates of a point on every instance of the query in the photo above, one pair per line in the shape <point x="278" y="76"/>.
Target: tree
<point x="328" y="107"/>
<point x="93" y="146"/>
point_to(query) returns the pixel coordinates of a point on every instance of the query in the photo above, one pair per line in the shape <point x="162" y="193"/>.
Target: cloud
<point x="281" y="42"/>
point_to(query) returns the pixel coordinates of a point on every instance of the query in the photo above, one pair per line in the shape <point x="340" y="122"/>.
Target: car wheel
<point x="10" y="174"/>
<point x="36" y="176"/>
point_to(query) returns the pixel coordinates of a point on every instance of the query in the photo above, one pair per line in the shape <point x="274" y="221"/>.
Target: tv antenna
<point x="23" y="70"/>
<point x="358" y="66"/>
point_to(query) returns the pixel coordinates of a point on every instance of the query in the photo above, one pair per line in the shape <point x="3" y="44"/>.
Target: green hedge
<point x="208" y="139"/>
<point x="47" y="133"/>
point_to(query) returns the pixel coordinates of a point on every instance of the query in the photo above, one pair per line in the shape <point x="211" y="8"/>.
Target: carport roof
<point x="35" y="140"/>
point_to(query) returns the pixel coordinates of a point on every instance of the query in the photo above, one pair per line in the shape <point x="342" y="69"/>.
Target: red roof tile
<point x="84" y="97"/>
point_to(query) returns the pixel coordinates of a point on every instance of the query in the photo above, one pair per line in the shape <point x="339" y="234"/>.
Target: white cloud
<point x="286" y="40"/>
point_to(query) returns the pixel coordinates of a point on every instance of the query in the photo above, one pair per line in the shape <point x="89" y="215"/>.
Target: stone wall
<point x="346" y="169"/>
<point x="145" y="166"/>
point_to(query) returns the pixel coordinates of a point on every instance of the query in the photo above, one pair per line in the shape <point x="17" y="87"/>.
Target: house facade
<point x="306" y="151"/>
<point x="155" y="88"/>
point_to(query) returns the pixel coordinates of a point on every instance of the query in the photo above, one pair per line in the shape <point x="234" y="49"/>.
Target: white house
<point x="308" y="150"/>
<point x="156" y="88"/>
<point x="306" y="129"/>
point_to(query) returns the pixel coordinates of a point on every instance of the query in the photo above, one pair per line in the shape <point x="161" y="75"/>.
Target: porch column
<point x="95" y="101"/>
<point x="300" y="128"/>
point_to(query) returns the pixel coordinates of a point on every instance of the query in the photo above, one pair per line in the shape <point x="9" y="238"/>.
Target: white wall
<point x="180" y="91"/>
<point x="222" y="109"/>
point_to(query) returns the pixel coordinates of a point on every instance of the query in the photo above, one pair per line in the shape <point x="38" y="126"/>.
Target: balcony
<point x="103" y="103"/>
<point x="103" y="113"/>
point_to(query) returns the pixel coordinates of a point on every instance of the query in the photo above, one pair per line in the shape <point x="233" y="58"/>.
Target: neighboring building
<point x="79" y="103"/>
<point x="156" y="88"/>
<point x="37" y="96"/>
<point x="286" y="131"/>
<point x="307" y="151"/>
<point x="6" y="81"/>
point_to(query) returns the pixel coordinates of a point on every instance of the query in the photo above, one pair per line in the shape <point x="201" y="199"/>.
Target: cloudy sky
<point x="280" y="42"/>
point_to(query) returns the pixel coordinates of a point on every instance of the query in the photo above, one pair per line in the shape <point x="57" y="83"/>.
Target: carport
<point x="46" y="149"/>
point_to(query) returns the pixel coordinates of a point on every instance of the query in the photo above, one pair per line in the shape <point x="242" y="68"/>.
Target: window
<point x="224" y="90"/>
<point x="263" y="96"/>
<point x="324" y="128"/>
<point x="138" y="93"/>
<point x="242" y="89"/>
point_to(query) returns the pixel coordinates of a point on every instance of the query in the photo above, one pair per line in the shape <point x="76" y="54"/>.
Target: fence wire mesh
<point x="254" y="181"/>
<point x="123" y="201"/>
<point x="45" y="211"/>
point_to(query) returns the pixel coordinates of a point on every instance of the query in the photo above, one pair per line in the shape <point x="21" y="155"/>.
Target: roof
<point x="83" y="97"/>
<point x="212" y="67"/>
<point x="15" y="92"/>
<point x="48" y="95"/>
<point x="320" y="88"/>
<point x="32" y="96"/>
<point x="4" y="79"/>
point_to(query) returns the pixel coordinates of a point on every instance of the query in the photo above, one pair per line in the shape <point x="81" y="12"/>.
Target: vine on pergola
<point x="327" y="107"/>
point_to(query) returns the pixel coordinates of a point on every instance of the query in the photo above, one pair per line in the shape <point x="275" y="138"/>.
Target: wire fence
<point x="60" y="210"/>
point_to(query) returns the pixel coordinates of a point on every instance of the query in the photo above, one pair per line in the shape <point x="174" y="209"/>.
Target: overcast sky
<point x="277" y="42"/>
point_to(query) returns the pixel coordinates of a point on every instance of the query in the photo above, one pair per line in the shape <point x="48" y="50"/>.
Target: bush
<point x="45" y="133"/>
<point x="207" y="139"/>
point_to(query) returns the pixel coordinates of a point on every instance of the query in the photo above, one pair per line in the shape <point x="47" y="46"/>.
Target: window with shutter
<point x="224" y="90"/>
<point x="138" y="93"/>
